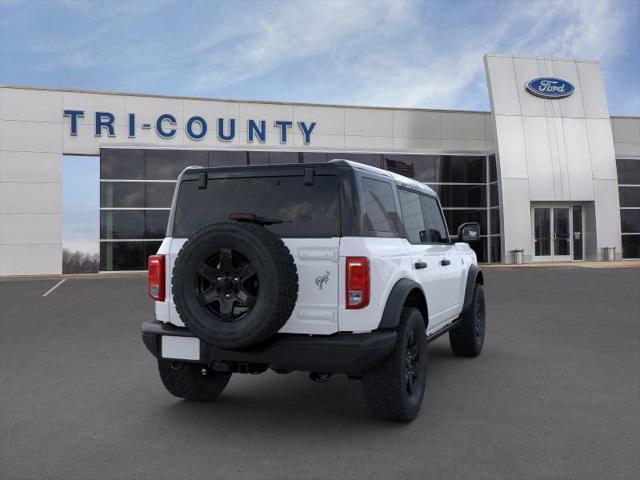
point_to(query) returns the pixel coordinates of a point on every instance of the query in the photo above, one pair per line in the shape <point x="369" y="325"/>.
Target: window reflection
<point x="451" y="176"/>
<point x="122" y="195"/>
<point x="122" y="164"/>
<point x="167" y="164"/>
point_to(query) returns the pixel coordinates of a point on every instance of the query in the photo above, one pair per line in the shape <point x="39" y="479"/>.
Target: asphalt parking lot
<point x="555" y="394"/>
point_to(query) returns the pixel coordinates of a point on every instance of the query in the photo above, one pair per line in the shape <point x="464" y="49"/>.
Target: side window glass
<point x="380" y="215"/>
<point x="412" y="216"/>
<point x="436" y="228"/>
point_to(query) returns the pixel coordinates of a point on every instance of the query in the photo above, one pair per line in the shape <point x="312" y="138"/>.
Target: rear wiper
<point x="253" y="218"/>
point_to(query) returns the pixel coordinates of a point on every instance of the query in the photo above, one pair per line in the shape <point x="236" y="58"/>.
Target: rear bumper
<point x="339" y="353"/>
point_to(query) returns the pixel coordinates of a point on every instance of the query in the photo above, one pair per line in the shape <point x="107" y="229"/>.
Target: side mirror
<point x="469" y="232"/>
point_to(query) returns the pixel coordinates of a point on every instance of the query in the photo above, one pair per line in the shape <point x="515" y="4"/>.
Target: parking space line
<point x="54" y="287"/>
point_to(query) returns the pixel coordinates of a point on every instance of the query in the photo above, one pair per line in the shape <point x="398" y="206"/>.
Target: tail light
<point x="357" y="282"/>
<point x="155" y="283"/>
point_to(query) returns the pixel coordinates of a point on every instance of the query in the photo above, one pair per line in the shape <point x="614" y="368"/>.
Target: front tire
<point x="394" y="390"/>
<point x="192" y="381"/>
<point x="467" y="338"/>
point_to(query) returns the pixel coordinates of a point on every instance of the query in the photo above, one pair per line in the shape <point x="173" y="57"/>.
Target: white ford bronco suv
<point x="328" y="268"/>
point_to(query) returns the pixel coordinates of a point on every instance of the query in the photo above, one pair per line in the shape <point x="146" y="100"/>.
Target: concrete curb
<point x="617" y="264"/>
<point x="74" y="276"/>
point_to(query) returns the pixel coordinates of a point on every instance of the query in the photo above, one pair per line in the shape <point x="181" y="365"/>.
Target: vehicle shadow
<point x="291" y="404"/>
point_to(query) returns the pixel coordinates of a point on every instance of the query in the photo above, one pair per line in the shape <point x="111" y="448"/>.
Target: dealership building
<point x="548" y="173"/>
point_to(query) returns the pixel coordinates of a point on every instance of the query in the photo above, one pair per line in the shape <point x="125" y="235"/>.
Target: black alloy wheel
<point x="412" y="363"/>
<point x="227" y="284"/>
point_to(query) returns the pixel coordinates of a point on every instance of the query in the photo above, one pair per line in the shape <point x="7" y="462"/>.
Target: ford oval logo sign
<point x="550" y="87"/>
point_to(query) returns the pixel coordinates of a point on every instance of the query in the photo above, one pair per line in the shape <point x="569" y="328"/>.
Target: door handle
<point x="445" y="262"/>
<point x="419" y="265"/>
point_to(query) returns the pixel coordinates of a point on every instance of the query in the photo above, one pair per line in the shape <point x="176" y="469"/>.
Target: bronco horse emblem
<point x="322" y="280"/>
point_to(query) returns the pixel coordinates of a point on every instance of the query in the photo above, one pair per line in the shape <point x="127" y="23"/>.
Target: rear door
<point x="425" y="261"/>
<point x="447" y="256"/>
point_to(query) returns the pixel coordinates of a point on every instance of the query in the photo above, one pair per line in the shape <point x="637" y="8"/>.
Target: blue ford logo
<point x="550" y="87"/>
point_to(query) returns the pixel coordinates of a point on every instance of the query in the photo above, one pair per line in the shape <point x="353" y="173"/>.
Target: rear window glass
<point x="307" y="210"/>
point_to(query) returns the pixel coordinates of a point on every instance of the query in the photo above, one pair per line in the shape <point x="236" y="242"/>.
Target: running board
<point x="442" y="330"/>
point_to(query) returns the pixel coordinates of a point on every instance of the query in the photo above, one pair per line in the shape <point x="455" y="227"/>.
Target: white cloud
<point x="387" y="52"/>
<point x="276" y="37"/>
<point x="385" y="56"/>
<point x="561" y="29"/>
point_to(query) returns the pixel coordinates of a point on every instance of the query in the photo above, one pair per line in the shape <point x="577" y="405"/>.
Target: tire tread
<point x="382" y="384"/>
<point x="287" y="294"/>
<point x="187" y="382"/>
<point x="462" y="336"/>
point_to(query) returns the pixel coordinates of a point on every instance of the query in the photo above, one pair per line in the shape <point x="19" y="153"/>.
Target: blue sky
<point x="393" y="53"/>
<point x="81" y="203"/>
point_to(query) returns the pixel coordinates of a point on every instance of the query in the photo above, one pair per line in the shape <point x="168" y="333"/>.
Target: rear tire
<point x="192" y="381"/>
<point x="394" y="390"/>
<point x="467" y="338"/>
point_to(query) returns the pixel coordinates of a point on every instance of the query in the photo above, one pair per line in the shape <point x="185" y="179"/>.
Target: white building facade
<point x="547" y="172"/>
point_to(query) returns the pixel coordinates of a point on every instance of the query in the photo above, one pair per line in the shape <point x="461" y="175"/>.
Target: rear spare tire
<point x="234" y="284"/>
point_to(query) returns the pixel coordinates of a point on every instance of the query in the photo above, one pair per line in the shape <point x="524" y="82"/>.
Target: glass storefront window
<point x="439" y="168"/>
<point x="122" y="164"/>
<point x="628" y="171"/>
<point x="630" y="246"/>
<point x="495" y="220"/>
<point x="284" y="157"/>
<point x="494" y="199"/>
<point x="227" y="158"/>
<point x="629" y="196"/>
<point x="466" y="184"/>
<point x="496" y="252"/>
<point x="455" y="218"/>
<point x="462" y="169"/>
<point x="630" y="221"/>
<point x="136" y="194"/>
<point x="133" y="224"/>
<point x="420" y="167"/>
<point x="167" y="164"/>
<point x="122" y="194"/>
<point x="480" y="247"/>
<point x="258" y="158"/>
<point x="121" y="224"/>
<point x="126" y="255"/>
<point x="312" y="157"/>
<point x="493" y="169"/>
<point x="471" y="196"/>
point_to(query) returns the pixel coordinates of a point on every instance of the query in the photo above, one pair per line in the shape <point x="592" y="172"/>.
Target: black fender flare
<point x="398" y="299"/>
<point x="474" y="276"/>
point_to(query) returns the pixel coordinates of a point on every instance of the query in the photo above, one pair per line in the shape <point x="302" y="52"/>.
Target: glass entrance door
<point x="561" y="234"/>
<point x="542" y="233"/>
<point x="557" y="233"/>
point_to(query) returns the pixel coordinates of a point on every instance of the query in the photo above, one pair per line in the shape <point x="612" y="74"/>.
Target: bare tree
<point x="79" y="262"/>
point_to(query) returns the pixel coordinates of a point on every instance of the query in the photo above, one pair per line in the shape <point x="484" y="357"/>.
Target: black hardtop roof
<point x="336" y="167"/>
<point x="273" y="169"/>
